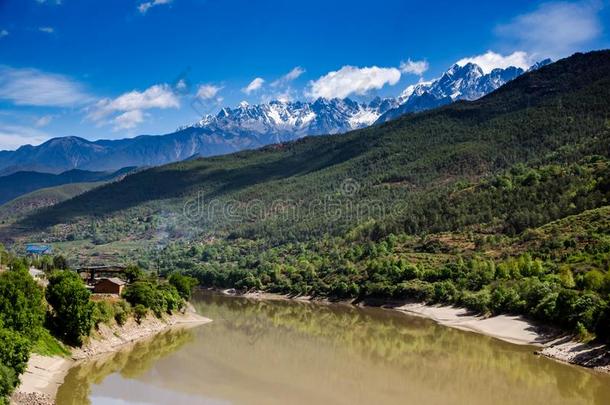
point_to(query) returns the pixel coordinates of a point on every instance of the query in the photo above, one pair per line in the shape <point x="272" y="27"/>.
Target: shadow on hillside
<point x="208" y="175"/>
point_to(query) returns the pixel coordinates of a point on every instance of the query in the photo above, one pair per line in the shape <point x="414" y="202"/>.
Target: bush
<point x="72" y="314"/>
<point x="184" y="284"/>
<point x="158" y="298"/>
<point x="506" y="299"/>
<point x="8" y="382"/>
<point x="445" y="291"/>
<point x="121" y="312"/>
<point x="133" y="273"/>
<point x="415" y="289"/>
<point x="477" y="301"/>
<point x="140" y="312"/>
<point x="14" y="350"/>
<point x="103" y="312"/>
<point x="21" y="304"/>
<point x="594" y="280"/>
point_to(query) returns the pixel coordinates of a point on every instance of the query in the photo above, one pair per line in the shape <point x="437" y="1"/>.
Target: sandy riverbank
<point x="551" y="342"/>
<point x="44" y="375"/>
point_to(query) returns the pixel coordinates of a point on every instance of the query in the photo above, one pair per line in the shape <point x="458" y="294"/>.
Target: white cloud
<point x="47" y="30"/>
<point x="491" y="60"/>
<point x="128" y="120"/>
<point x="13" y="136"/>
<point x="288" y="77"/>
<point x="554" y="29"/>
<point x="3" y="33"/>
<point x="207" y="91"/>
<point x="43" y="121"/>
<point x="254" y="85"/>
<point x="132" y="104"/>
<point x="352" y="80"/>
<point x="416" y="67"/>
<point x="36" y="88"/>
<point x="143" y="7"/>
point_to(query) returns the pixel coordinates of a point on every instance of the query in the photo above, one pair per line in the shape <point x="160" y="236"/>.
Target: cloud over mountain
<point x="352" y="80"/>
<point x="132" y="104"/>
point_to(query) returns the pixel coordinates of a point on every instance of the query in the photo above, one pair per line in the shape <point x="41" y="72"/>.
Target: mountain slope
<point x="41" y="198"/>
<point x="555" y="114"/>
<point x="19" y="183"/>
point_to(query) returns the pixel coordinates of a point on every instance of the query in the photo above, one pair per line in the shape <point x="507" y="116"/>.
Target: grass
<point x="48" y="345"/>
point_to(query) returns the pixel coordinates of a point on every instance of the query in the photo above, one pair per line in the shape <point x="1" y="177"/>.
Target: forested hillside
<point x="498" y="204"/>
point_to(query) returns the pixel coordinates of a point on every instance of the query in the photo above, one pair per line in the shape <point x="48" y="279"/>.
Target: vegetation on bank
<point x="47" y="320"/>
<point x="557" y="273"/>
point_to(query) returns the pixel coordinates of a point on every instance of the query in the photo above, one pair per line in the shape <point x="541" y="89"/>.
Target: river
<point x="284" y="352"/>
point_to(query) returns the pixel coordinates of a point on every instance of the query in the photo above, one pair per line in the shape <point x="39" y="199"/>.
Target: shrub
<point x="103" y="312"/>
<point x="184" y="284"/>
<point x="21" y="304"/>
<point x="415" y="289"/>
<point x="14" y="350"/>
<point x="158" y="298"/>
<point x="8" y="382"/>
<point x="445" y="291"/>
<point x="72" y="314"/>
<point x="133" y="273"/>
<point x="121" y="312"/>
<point x="140" y="312"/>
<point x="594" y="280"/>
<point x="506" y="299"/>
<point x="477" y="301"/>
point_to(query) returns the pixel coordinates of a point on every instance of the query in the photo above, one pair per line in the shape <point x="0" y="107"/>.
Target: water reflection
<point x="129" y="363"/>
<point x="275" y="352"/>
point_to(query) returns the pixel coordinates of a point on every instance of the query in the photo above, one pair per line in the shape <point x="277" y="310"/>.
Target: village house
<point x="112" y="285"/>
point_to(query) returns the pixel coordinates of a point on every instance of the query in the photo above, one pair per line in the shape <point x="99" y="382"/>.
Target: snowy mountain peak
<point x="283" y="120"/>
<point x="459" y="82"/>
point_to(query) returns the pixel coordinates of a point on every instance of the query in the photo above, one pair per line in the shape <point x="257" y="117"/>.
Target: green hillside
<point x="497" y="204"/>
<point x="42" y="198"/>
<point x="414" y="165"/>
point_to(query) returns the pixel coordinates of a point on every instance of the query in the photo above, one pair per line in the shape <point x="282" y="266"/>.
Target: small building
<point x="112" y="285"/>
<point x="37" y="249"/>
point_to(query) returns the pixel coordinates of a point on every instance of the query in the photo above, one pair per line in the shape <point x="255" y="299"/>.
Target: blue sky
<point x="120" y="68"/>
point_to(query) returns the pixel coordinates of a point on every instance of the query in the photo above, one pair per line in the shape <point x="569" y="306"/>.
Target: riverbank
<point x="550" y="342"/>
<point x="44" y="375"/>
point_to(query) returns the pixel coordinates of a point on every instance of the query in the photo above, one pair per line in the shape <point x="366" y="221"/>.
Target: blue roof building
<point x="36" y="249"/>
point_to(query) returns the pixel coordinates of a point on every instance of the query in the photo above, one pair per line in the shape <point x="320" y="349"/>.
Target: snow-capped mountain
<point x="251" y="126"/>
<point x="460" y="82"/>
<point x="280" y="121"/>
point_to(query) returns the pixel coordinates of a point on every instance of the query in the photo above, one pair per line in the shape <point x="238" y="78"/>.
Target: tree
<point x="60" y="263"/>
<point x="72" y="313"/>
<point x="21" y="304"/>
<point x="14" y="350"/>
<point x="133" y="273"/>
<point x="184" y="284"/>
<point x="8" y="382"/>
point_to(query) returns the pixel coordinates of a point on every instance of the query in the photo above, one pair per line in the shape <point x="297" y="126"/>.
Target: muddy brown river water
<point x="282" y="352"/>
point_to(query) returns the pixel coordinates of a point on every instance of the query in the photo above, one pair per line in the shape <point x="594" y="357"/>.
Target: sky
<point x="120" y="68"/>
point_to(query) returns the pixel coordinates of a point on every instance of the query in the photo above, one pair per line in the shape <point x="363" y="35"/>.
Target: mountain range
<point x="460" y="82"/>
<point x="252" y="126"/>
